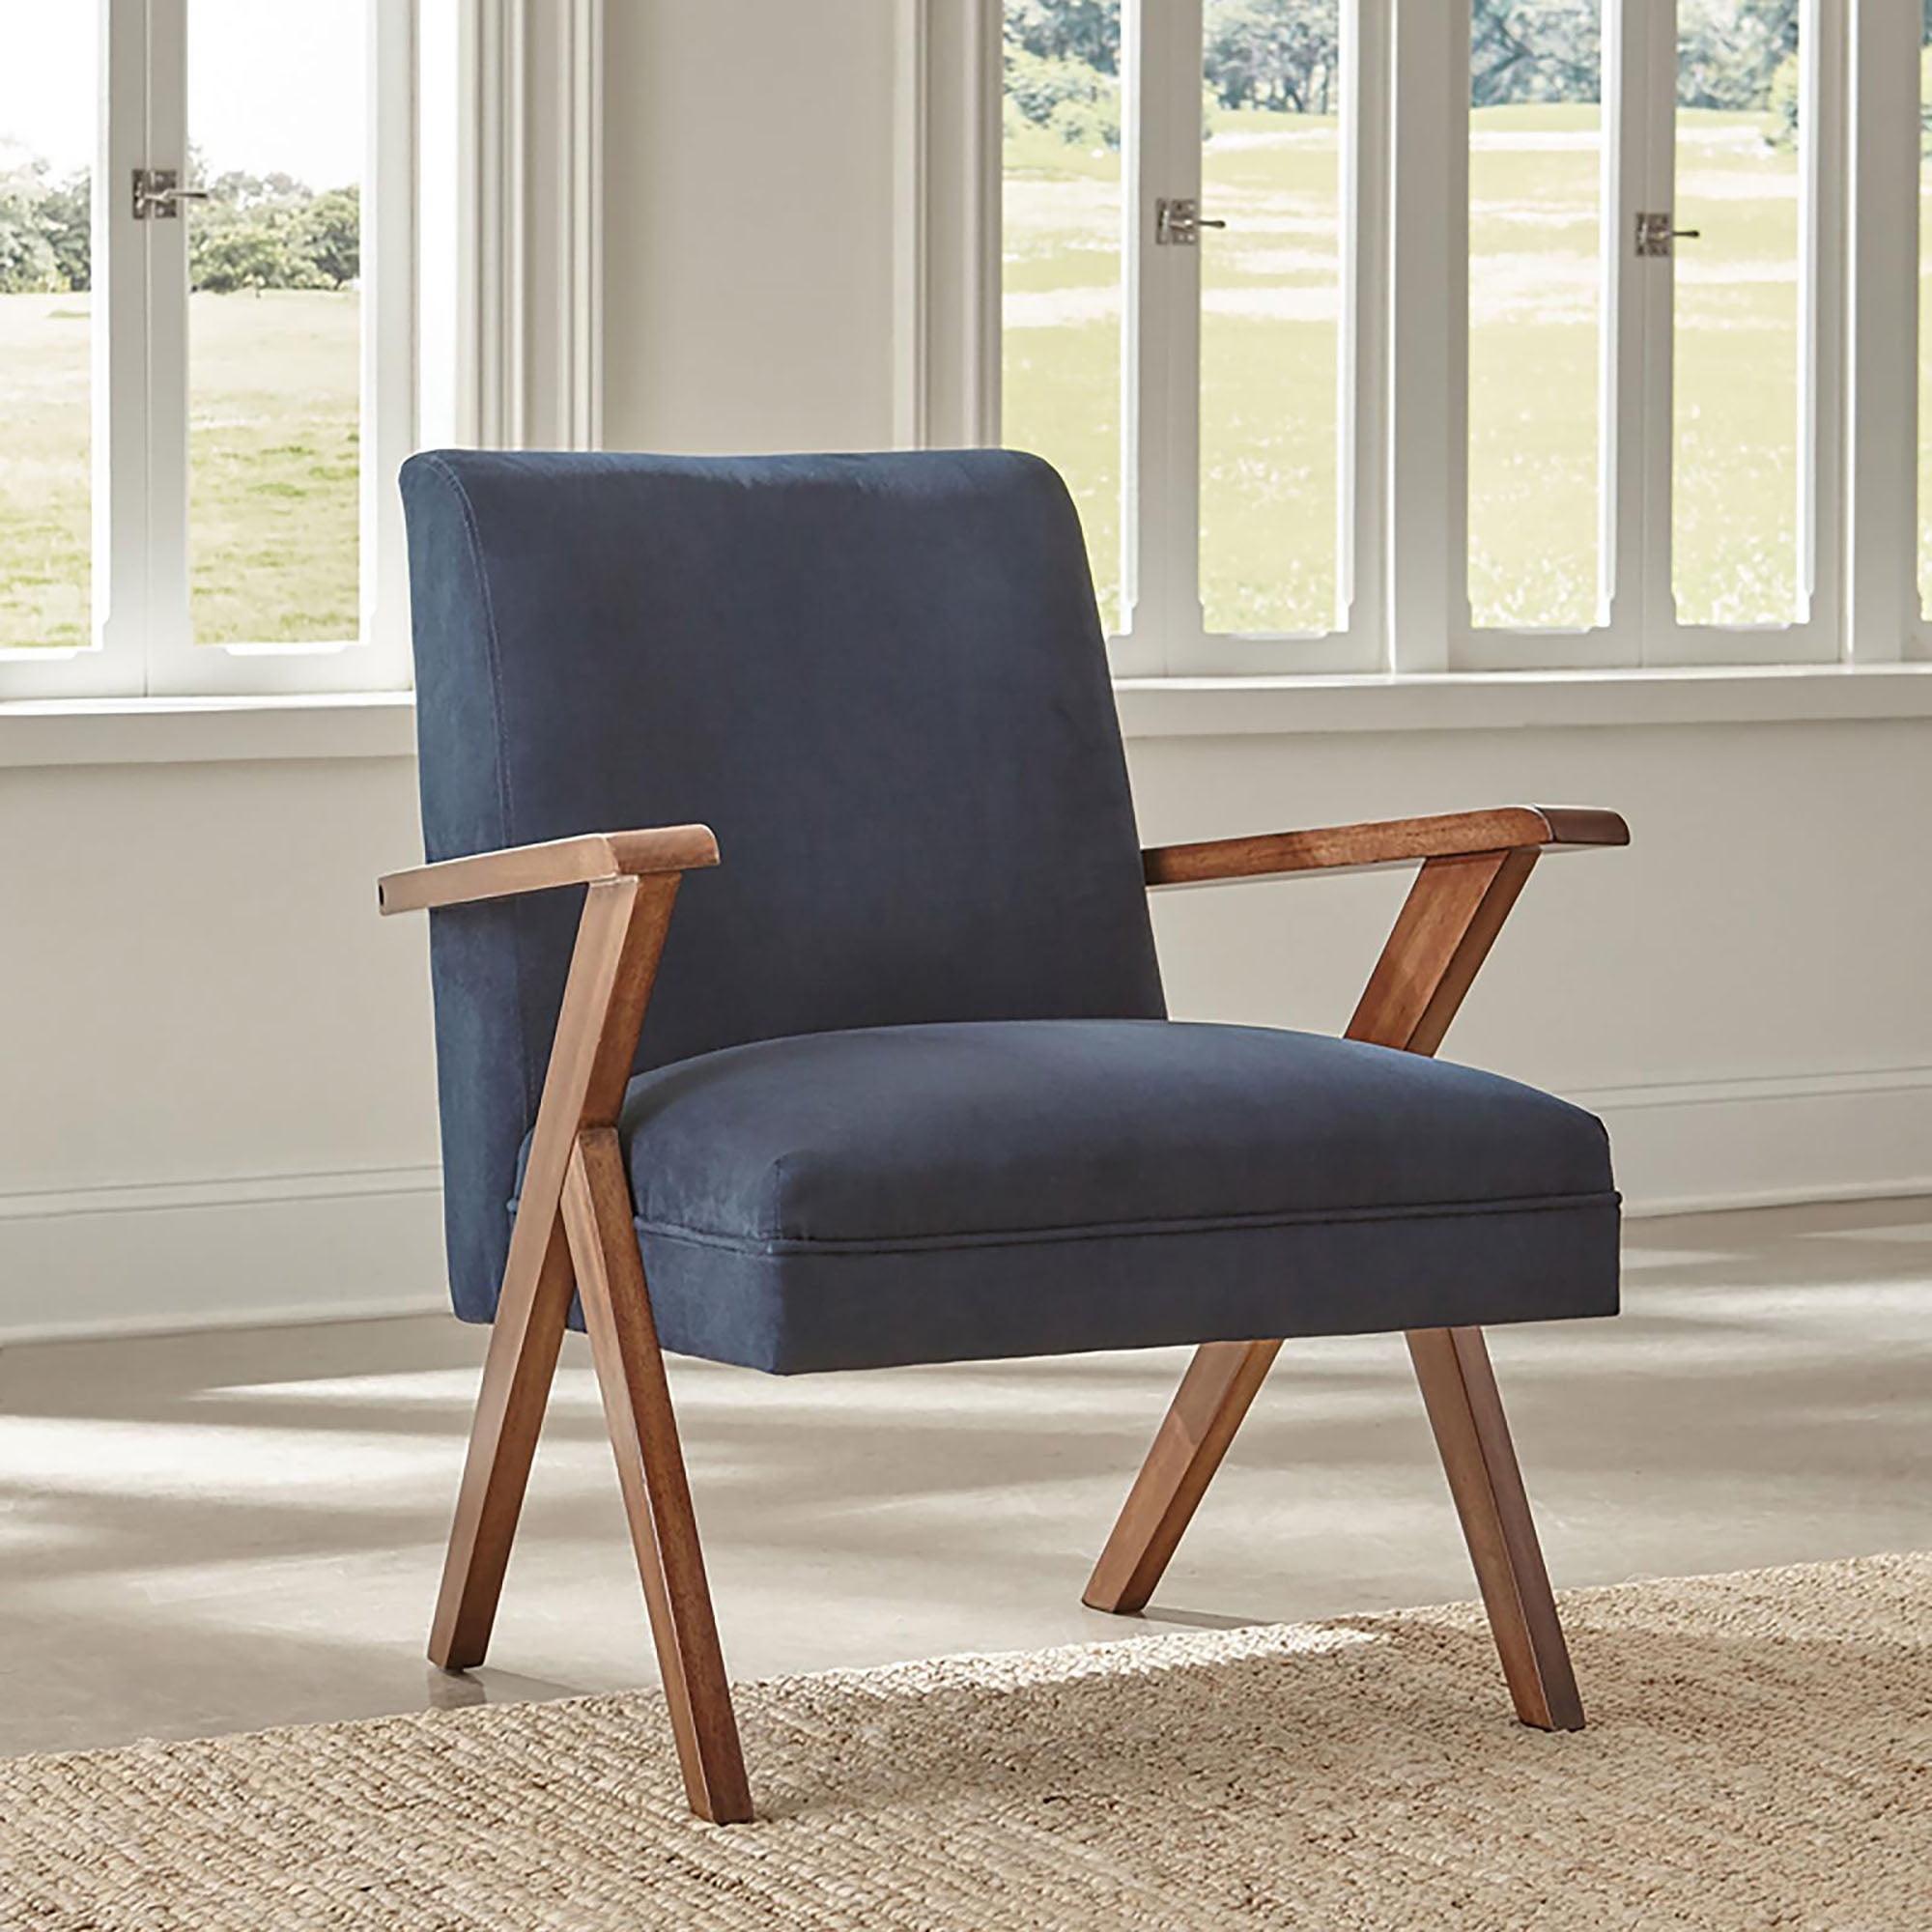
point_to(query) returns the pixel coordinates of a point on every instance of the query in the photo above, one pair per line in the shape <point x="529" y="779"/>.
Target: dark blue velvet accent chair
<point x="898" y="1085"/>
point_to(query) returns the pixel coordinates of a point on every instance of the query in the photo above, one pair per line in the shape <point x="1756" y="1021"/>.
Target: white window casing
<point x="531" y="211"/>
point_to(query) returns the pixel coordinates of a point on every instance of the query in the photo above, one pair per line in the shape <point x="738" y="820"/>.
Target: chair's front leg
<point x="597" y="1214"/>
<point x="1444" y="931"/>
<point x="1221" y="1380"/>
<point x="618" y="941"/>
<point x="1459" y="1389"/>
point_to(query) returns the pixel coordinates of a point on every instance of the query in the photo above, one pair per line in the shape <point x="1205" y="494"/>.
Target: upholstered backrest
<point x="879" y="679"/>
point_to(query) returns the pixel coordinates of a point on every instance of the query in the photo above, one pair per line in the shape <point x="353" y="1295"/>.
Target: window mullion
<point x="1361" y="498"/>
<point x="1138" y="650"/>
<point x="1650" y="74"/>
<point x="121" y="355"/>
<point x="1428" y="514"/>
<point x="1162" y="98"/>
<point x="1173" y="106"/>
<point x="166" y="606"/>
<point x="1823" y="195"/>
<point x="389" y="255"/>
<point x="1883" y="335"/>
<point x="1636" y="164"/>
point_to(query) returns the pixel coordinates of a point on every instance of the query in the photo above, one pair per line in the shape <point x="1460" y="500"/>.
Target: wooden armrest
<point x="538" y="868"/>
<point x="1391" y="842"/>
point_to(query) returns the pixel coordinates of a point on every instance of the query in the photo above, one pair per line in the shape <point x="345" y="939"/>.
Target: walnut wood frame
<point x="1474" y="867"/>
<point x="574" y="1235"/>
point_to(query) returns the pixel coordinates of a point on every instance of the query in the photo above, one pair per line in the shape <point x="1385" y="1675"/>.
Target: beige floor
<point x="208" y="1533"/>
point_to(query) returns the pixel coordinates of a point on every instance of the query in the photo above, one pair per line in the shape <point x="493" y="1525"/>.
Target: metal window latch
<point x="1177" y="224"/>
<point x="158" y="193"/>
<point x="1655" y="233"/>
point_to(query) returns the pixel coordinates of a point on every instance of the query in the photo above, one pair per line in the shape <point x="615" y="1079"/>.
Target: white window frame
<point x="1408" y="279"/>
<point x="142" y="645"/>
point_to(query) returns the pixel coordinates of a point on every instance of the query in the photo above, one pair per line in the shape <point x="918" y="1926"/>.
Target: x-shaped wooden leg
<point x="1444" y="931"/>
<point x="574" y="1232"/>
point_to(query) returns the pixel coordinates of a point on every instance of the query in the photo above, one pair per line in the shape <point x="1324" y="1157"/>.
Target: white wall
<point x="1739" y="992"/>
<point x="215" y="1094"/>
<point x="750" y="196"/>
<point x="215" y="1083"/>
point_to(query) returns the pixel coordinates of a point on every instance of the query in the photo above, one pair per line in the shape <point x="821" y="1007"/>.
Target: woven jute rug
<point x="1760" y="1754"/>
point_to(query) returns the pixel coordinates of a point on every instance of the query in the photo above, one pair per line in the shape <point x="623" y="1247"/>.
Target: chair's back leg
<point x="517" y="1374"/>
<point x="597" y="1213"/>
<point x="1459" y="1389"/>
<point x="1221" y="1382"/>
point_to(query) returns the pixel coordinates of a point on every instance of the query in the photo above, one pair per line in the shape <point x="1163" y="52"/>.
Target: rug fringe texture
<point x="1759" y="1755"/>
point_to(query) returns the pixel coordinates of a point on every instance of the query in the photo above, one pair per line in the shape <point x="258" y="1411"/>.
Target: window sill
<point x="207" y="730"/>
<point x="1215" y="707"/>
<point x="382" y="725"/>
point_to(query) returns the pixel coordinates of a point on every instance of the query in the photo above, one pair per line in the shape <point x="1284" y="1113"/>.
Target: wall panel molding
<point x="154" y="1257"/>
<point x="531" y="212"/>
<point x="1767" y="1140"/>
<point x="144" y="1257"/>
<point x="945" y="289"/>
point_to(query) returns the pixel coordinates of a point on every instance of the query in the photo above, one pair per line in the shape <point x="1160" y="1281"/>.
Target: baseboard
<point x="1696" y="1146"/>
<point x="240" y="1251"/>
<point x="256" y="1250"/>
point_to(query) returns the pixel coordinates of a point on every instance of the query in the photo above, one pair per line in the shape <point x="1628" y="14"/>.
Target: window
<point x="1486" y="335"/>
<point x="1187" y="253"/>
<point x="206" y="344"/>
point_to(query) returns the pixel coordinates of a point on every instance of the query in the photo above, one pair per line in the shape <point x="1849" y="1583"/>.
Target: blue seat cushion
<point x="1000" y="1188"/>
